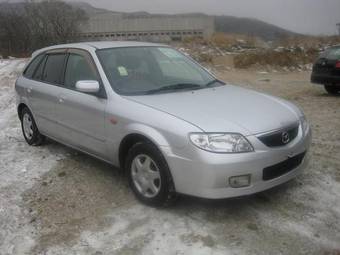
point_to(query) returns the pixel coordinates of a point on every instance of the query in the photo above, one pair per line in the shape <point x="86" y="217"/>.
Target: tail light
<point x="337" y="65"/>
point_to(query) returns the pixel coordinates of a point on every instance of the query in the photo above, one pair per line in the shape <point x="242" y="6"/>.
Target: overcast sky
<point x="304" y="16"/>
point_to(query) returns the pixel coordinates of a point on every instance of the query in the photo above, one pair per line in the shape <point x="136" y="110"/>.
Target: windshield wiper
<point x="178" y="86"/>
<point x="210" y="83"/>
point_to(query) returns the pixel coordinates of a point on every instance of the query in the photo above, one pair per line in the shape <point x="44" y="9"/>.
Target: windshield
<point x="150" y="70"/>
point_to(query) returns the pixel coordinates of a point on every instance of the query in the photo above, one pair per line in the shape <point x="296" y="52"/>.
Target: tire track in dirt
<point x="76" y="195"/>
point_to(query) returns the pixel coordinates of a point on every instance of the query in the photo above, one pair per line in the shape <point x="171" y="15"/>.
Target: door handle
<point x="29" y="90"/>
<point x="62" y="99"/>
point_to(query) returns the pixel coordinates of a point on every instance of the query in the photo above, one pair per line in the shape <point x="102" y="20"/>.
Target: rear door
<point x="42" y="90"/>
<point x="81" y="116"/>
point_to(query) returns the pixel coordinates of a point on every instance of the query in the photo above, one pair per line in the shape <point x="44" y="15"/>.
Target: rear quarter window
<point x="38" y="74"/>
<point x="29" y="71"/>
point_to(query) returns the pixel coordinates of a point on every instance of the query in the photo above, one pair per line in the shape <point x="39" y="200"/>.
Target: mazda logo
<point x="285" y="137"/>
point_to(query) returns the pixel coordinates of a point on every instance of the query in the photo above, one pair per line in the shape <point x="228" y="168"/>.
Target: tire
<point x="30" y="129"/>
<point x="332" y="89"/>
<point x="149" y="176"/>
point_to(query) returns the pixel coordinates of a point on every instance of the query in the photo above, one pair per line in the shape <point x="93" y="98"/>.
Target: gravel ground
<point x="54" y="200"/>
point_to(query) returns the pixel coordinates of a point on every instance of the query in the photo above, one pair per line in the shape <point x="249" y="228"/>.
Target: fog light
<point x="240" y="181"/>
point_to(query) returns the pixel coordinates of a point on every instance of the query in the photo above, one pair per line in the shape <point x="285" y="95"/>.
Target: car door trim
<point x="78" y="148"/>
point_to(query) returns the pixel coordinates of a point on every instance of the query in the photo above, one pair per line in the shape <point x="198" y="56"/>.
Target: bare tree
<point x="54" y="21"/>
<point x="32" y="25"/>
<point x="15" y="33"/>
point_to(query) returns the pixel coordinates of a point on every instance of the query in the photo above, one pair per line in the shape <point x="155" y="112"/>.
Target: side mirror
<point x="88" y="86"/>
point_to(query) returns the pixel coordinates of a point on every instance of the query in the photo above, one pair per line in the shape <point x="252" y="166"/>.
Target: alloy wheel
<point x="146" y="176"/>
<point x="28" y="126"/>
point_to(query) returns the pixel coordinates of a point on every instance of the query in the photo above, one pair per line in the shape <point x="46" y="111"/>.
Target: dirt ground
<point x="54" y="200"/>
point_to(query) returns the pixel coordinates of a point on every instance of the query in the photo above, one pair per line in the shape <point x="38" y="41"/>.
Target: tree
<point x="25" y="27"/>
<point x="54" y="22"/>
<point x="15" y="33"/>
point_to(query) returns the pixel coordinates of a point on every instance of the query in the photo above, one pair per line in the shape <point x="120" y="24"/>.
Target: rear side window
<point x="54" y="68"/>
<point x="78" y="69"/>
<point x="33" y="66"/>
<point x="38" y="74"/>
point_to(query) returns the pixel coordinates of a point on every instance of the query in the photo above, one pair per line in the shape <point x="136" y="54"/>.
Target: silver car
<point x="170" y="124"/>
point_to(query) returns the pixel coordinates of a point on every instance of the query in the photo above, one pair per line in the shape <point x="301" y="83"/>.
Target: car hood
<point x="225" y="109"/>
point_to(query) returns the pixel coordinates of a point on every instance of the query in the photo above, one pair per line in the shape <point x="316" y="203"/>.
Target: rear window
<point x="33" y="66"/>
<point x="54" y="68"/>
<point x="333" y="53"/>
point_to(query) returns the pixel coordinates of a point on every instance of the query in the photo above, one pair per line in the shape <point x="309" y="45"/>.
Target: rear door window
<point x="54" y="68"/>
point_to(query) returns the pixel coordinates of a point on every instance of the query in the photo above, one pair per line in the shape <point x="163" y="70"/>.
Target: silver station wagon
<point x="169" y="123"/>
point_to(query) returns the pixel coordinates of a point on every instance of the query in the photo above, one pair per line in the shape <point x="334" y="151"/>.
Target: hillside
<point x="251" y="27"/>
<point x="227" y="24"/>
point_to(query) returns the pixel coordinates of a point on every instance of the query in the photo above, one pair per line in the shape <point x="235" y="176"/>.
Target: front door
<point x="81" y="116"/>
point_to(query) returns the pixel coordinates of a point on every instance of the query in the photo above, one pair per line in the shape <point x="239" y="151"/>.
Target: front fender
<point x="152" y="134"/>
<point x="166" y="144"/>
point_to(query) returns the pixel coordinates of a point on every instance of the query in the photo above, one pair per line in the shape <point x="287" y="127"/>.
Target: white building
<point x="118" y="26"/>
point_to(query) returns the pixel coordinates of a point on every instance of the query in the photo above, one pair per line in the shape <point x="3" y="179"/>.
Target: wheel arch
<point x="137" y="132"/>
<point x="128" y="141"/>
<point x="20" y="107"/>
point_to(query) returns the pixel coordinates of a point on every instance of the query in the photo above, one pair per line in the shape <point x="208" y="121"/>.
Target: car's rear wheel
<point x="30" y="129"/>
<point x="332" y="89"/>
<point x="149" y="175"/>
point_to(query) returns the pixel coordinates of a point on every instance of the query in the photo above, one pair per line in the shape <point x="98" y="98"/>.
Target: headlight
<point x="221" y="142"/>
<point x="304" y="124"/>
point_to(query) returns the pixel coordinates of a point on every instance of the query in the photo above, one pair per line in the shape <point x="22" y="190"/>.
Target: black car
<point x="326" y="70"/>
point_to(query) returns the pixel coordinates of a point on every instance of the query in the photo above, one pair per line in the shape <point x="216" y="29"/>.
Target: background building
<point x="144" y="27"/>
<point x="338" y="26"/>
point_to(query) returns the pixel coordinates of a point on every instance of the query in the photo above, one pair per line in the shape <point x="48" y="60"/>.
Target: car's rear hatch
<point x="324" y="66"/>
<point x="327" y="62"/>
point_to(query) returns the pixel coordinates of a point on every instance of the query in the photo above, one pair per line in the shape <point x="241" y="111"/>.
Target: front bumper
<point x="203" y="174"/>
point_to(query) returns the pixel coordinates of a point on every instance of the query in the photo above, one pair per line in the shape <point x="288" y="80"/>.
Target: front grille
<point x="279" y="138"/>
<point x="283" y="167"/>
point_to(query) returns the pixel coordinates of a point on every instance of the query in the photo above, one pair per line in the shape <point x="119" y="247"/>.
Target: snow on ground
<point x="54" y="200"/>
<point x="20" y="165"/>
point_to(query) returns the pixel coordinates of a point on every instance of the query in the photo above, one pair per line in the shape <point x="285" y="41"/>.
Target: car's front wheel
<point x="30" y="129"/>
<point x="149" y="175"/>
<point x="332" y="89"/>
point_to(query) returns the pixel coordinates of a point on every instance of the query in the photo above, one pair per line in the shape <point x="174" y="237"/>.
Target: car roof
<point x="99" y="45"/>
